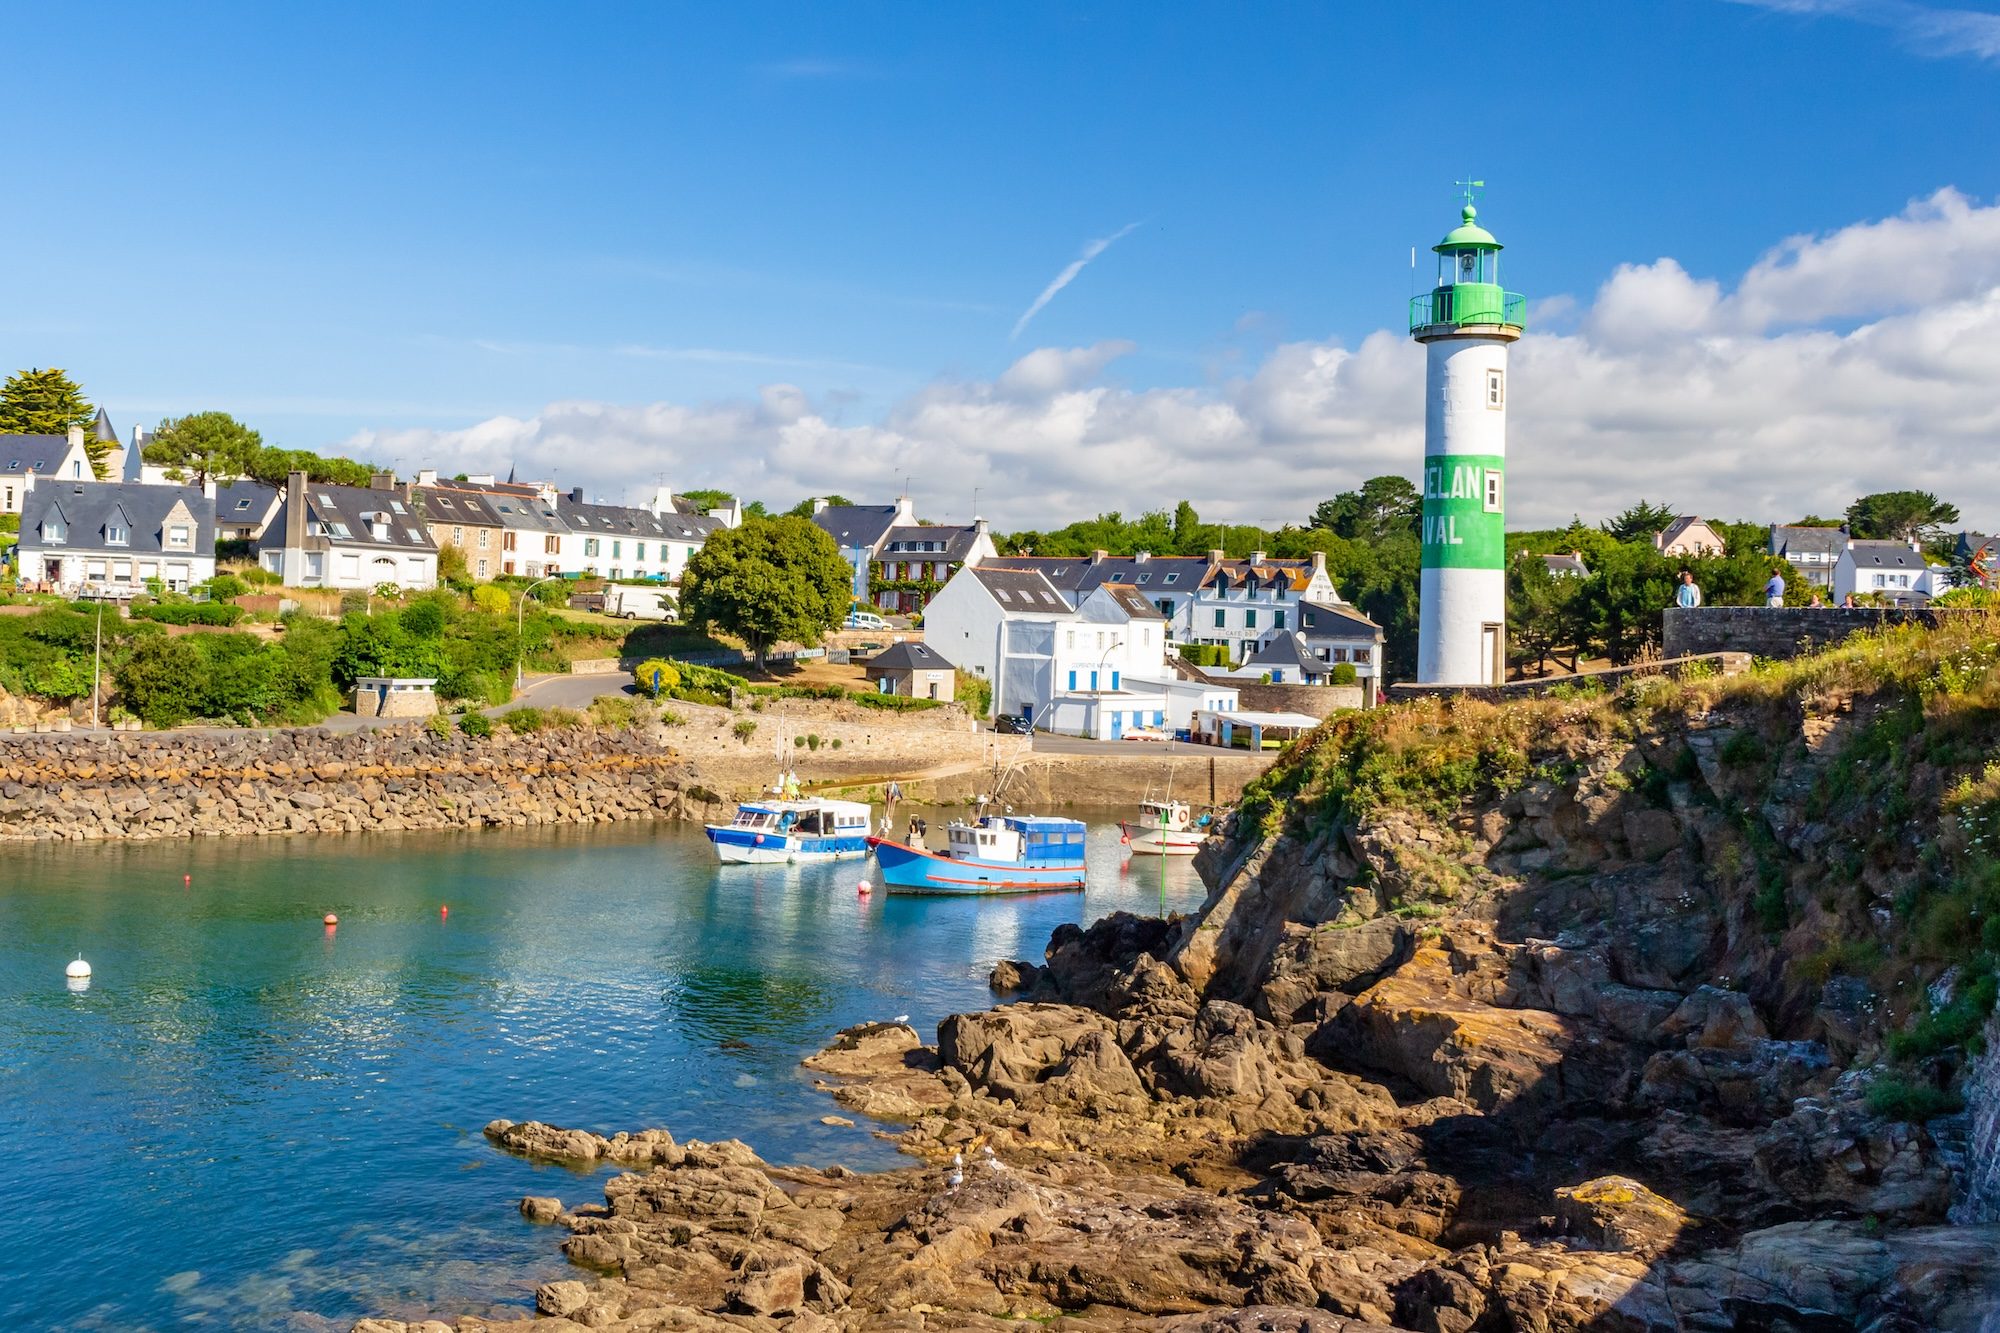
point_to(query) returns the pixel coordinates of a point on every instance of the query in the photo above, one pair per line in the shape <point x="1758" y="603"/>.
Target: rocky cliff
<point x="1641" y="1012"/>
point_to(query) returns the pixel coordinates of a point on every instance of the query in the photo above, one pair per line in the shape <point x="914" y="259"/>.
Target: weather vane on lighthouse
<point x="1466" y="324"/>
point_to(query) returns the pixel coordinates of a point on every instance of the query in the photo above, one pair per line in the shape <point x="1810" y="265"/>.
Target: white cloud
<point x="1860" y="360"/>
<point x="1926" y="29"/>
<point x="1091" y="250"/>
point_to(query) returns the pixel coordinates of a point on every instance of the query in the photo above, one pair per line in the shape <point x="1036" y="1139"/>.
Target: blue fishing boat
<point x="777" y="831"/>
<point x="998" y="854"/>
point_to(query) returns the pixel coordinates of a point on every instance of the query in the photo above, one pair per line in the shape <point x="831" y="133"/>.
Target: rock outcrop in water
<point x="1638" y="1015"/>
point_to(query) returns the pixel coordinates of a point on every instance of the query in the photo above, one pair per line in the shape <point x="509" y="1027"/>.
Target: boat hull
<point x="735" y="846"/>
<point x="906" y="869"/>
<point x="1155" y="842"/>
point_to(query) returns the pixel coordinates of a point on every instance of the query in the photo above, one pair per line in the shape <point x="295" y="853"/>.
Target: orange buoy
<point x="332" y="920"/>
<point x="187" y="879"/>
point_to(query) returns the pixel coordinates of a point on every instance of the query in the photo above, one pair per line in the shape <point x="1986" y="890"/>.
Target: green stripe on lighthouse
<point x="1464" y="526"/>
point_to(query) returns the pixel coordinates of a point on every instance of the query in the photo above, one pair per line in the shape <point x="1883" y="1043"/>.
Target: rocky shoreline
<point x="1585" y="1087"/>
<point x="252" y="784"/>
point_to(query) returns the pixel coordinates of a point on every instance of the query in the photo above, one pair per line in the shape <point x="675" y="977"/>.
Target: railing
<point x="1471" y="303"/>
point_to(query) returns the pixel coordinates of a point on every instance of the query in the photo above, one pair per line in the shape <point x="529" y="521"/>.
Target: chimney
<point x="1256" y="557"/>
<point x="906" y="511"/>
<point x="819" y="504"/>
<point x="295" y="514"/>
<point x="208" y="487"/>
<point x="28" y="482"/>
<point x="1142" y="557"/>
<point x="1319" y="564"/>
<point x="1099" y="557"/>
<point x="1215" y="557"/>
<point x="75" y="436"/>
<point x="1915" y="545"/>
<point x="980" y="527"/>
<point x="479" y="479"/>
<point x="576" y="495"/>
<point x="663" y="501"/>
<point x="381" y="481"/>
<point x="427" y="476"/>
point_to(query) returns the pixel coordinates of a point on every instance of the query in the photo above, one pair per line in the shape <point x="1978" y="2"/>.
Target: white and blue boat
<point x="805" y="829"/>
<point x="998" y="854"/>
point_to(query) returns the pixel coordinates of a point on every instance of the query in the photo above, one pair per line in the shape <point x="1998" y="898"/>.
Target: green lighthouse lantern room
<point x="1468" y="290"/>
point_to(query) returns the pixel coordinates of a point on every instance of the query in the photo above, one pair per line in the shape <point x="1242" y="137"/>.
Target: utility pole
<point x="520" y="629"/>
<point x="96" y="665"/>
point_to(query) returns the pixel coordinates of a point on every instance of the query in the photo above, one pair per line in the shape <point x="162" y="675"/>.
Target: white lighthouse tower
<point x="1466" y="324"/>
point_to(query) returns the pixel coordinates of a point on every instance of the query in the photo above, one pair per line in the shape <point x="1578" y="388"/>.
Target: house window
<point x="1496" y="389"/>
<point x="1220" y="617"/>
<point x="482" y="564"/>
<point x="1278" y="620"/>
<point x="551" y="545"/>
<point x="1361" y="654"/>
<point x="590" y="546"/>
<point x="617" y="550"/>
<point x="484" y="533"/>
<point x="76" y="469"/>
<point x="639" y="551"/>
<point x="1071" y="638"/>
<point x="177" y="536"/>
<point x="1250" y="619"/>
<point x="1493" y="490"/>
<point x="507" y="543"/>
<point x="458" y="536"/>
<point x="117" y="534"/>
<point x="54" y="531"/>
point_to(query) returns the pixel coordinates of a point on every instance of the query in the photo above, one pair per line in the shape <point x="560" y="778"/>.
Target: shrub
<point x="1343" y="673"/>
<point x="669" y="718"/>
<point x="893" y="703"/>
<point x="477" y="725"/>
<point x="438" y="724"/>
<point x="1896" y="1098"/>
<point x="656" y="676"/>
<point x="812" y="741"/>
<point x="1205" y="654"/>
<point x="189" y="613"/>
<point x="259" y="577"/>
<point x="616" y="710"/>
<point x="798" y="742"/>
<point x="225" y="586"/>
<point x="525" y="721"/>
<point x="744" y="730"/>
<point x="491" y="600"/>
<point x="975" y="692"/>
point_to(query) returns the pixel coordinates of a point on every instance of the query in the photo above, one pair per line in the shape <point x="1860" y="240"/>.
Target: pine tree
<point x="48" y="402"/>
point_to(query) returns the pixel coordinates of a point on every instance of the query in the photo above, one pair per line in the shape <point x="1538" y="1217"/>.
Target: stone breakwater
<point x="235" y="784"/>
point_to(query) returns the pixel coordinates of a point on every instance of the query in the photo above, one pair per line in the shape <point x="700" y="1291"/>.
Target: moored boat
<point x="770" y="832"/>
<point x="1165" y="828"/>
<point x="997" y="854"/>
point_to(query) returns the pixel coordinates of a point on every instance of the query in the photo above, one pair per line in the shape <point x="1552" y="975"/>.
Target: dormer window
<point x="242" y="505"/>
<point x="117" y="534"/>
<point x="178" y="537"/>
<point x="54" y="531"/>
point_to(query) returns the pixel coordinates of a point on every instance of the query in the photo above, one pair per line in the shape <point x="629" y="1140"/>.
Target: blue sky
<point x="385" y="225"/>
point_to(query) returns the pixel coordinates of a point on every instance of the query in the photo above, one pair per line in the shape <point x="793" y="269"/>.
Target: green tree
<point x="1540" y="610"/>
<point x="161" y="680"/>
<point x="1898" y="516"/>
<point x="271" y="466"/>
<point x="705" y="500"/>
<point x="771" y="579"/>
<point x="48" y="402"/>
<point x="1383" y="506"/>
<point x="1640" y="522"/>
<point x="804" y="508"/>
<point x="202" y="445"/>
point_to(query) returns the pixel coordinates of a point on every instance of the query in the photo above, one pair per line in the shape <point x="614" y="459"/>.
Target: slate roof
<point x="524" y="512"/>
<point x="597" y="520"/>
<point x="341" y="514"/>
<point x="857" y="525"/>
<point x="1293" y="574"/>
<point x="1787" y="541"/>
<point x="1971" y="543"/>
<point x="1285" y="650"/>
<point x="444" y="504"/>
<point x="1132" y="601"/>
<point x="909" y="656"/>
<point x="40" y="454"/>
<point x="957" y="541"/>
<point x="246" y="501"/>
<point x="102" y="428"/>
<point x="1567" y="563"/>
<point x="1336" y="622"/>
<point x="88" y="506"/>
<point x="1023" y="592"/>
<point x="1079" y="574"/>
<point x="1886" y="555"/>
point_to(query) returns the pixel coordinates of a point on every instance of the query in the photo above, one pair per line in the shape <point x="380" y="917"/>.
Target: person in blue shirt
<point x="1774" y="591"/>
<point x="1689" y="593"/>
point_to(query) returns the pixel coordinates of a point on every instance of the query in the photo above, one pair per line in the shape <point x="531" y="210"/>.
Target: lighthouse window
<point x="1492" y="491"/>
<point x="1496" y="388"/>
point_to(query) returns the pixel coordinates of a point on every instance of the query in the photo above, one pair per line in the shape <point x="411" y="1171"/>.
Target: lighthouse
<point x="1466" y="324"/>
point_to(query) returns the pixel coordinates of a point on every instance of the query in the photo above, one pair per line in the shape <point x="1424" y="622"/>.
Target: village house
<point x="462" y="520"/>
<point x="626" y="542"/>
<point x="114" y="537"/>
<point x="1333" y="633"/>
<point x="1169" y="582"/>
<point x="1981" y="556"/>
<point x="50" y="457"/>
<point x="899" y="564"/>
<point x="914" y="670"/>
<point x="243" y="510"/>
<point x="1690" y="537"/>
<point x="1894" y="571"/>
<point x="1812" y="551"/>
<point x="327" y="536"/>
<point x="1000" y="625"/>
<point x="1566" y="565"/>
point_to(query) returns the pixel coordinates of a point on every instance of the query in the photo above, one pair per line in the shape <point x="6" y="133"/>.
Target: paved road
<point x="576" y="692"/>
<point x="1046" y="744"/>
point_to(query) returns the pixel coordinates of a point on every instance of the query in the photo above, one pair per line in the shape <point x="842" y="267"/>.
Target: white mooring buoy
<point x="78" y="970"/>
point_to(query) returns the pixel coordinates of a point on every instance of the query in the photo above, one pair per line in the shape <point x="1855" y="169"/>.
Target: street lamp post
<point x="521" y="629"/>
<point x="96" y="666"/>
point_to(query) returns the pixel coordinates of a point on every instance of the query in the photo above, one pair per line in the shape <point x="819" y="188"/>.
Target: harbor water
<point x="250" y="1120"/>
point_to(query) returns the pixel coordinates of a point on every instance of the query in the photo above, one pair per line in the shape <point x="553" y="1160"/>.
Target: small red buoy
<point x="332" y="920"/>
<point x="187" y="879"/>
<point x="444" y="911"/>
<point x="863" y="888"/>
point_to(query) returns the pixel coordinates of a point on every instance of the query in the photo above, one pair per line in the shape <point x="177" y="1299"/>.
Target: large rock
<point x="1030" y="1053"/>
<point x="1619" y="1214"/>
<point x="1329" y="957"/>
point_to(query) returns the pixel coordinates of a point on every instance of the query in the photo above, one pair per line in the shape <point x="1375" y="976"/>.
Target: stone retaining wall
<point x="1313" y="700"/>
<point x="216" y="784"/>
<point x="1781" y="631"/>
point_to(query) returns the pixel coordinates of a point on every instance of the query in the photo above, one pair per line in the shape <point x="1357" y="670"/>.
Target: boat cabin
<point x="810" y="818"/>
<point x="1174" y="816"/>
<point x="1018" y="840"/>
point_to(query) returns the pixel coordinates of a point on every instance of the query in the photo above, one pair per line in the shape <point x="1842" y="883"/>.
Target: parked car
<point x="1147" y="734"/>
<point x="1012" y="724"/>
<point x="859" y="619"/>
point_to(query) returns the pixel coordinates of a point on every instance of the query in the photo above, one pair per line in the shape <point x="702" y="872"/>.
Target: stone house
<point x="912" y="669"/>
<point x="463" y="520"/>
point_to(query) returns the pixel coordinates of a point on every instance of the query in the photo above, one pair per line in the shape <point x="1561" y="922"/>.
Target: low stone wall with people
<point x="188" y="784"/>
<point x="1782" y="631"/>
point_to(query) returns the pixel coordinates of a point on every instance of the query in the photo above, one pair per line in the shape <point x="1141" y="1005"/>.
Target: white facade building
<point x="82" y="536"/>
<point x="363" y="537"/>
<point x="1894" y="571"/>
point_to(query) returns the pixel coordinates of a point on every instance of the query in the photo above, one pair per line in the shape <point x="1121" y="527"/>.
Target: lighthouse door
<point x="1492" y="651"/>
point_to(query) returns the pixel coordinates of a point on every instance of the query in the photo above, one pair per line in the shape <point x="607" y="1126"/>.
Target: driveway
<point x="577" y="692"/>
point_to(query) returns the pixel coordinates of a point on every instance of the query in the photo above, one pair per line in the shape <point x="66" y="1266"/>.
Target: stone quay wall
<point x="1782" y="631"/>
<point x="89" y="787"/>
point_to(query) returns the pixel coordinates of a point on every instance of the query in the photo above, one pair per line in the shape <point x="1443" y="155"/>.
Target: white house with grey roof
<point x="326" y="536"/>
<point x="1812" y="551"/>
<point x="628" y="542"/>
<point x="113" y="537"/>
<point x="1894" y="571"/>
<point x="244" y="509"/>
<point x="43" y="457"/>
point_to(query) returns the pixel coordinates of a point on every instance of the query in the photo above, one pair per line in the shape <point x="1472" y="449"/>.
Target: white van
<point x="622" y="599"/>
<point x="859" y="619"/>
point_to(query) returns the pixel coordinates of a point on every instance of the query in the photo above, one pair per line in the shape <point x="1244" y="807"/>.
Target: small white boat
<point x="808" y="828"/>
<point x="1165" y="828"/>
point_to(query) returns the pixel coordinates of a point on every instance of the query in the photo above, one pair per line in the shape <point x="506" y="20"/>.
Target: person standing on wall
<point x="1774" y="591"/>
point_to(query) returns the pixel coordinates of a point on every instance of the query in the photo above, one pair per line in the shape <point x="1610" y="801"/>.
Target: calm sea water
<point x="251" y="1122"/>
